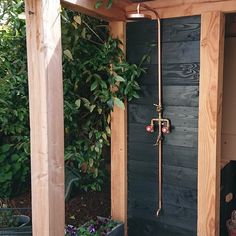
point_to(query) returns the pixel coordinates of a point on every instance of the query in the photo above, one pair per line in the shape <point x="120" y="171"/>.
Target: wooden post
<point x="46" y="116"/>
<point x="119" y="148"/>
<point x="210" y="107"/>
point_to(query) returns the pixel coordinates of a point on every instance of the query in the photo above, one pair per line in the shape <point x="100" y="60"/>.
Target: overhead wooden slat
<point x="46" y="116"/>
<point x="178" y="8"/>
<point x="210" y="109"/>
<point x="116" y="12"/>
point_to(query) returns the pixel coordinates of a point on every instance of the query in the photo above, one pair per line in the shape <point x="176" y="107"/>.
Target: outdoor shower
<point x="162" y="123"/>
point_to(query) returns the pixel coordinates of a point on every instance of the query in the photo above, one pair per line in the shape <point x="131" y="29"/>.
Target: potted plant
<point x="98" y="226"/>
<point x="12" y="222"/>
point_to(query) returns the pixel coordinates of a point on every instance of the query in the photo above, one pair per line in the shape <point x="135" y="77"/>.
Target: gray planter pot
<point x="23" y="229"/>
<point x="119" y="230"/>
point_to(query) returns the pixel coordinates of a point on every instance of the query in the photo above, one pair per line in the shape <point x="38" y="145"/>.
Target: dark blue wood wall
<point x="180" y="89"/>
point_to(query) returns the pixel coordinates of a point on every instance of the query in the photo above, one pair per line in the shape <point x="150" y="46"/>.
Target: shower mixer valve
<point x="165" y="125"/>
<point x="155" y="122"/>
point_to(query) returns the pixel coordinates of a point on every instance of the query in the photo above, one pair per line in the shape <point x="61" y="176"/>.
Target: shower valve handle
<point x="150" y="128"/>
<point x="165" y="125"/>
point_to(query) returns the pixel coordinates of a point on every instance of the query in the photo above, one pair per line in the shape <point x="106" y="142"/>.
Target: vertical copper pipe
<point x="159" y="106"/>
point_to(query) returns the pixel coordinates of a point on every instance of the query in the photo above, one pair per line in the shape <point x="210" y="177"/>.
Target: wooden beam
<point x="210" y="109"/>
<point x="46" y="116"/>
<point x="119" y="149"/>
<point x="179" y="8"/>
<point x="116" y="12"/>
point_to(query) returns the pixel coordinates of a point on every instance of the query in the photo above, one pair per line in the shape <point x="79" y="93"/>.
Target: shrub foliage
<point x="96" y="77"/>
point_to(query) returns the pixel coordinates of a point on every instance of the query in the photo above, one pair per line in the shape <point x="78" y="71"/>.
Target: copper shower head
<point x="138" y="16"/>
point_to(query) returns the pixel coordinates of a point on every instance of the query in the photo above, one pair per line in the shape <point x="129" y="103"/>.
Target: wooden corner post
<point x="119" y="148"/>
<point x="43" y="27"/>
<point x="210" y="109"/>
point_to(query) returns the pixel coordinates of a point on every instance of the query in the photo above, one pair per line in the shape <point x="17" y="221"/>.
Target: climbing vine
<point x="96" y="77"/>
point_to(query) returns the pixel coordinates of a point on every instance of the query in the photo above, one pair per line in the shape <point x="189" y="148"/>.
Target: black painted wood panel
<point x="177" y="156"/>
<point x="181" y="137"/>
<point x="172" y="175"/>
<point x="180" y="70"/>
<point x="181" y="116"/>
<point x="150" y="227"/>
<point x="174" y="30"/>
<point x="174" y="74"/>
<point x="173" y="52"/>
<point x="175" y="95"/>
<point x="178" y="196"/>
<point x="172" y="215"/>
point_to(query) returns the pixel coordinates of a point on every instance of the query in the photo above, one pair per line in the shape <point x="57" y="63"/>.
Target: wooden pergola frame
<point x="46" y="108"/>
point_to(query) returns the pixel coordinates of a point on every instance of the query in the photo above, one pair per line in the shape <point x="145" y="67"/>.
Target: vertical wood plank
<point x="119" y="148"/>
<point x="46" y="116"/>
<point x="210" y="109"/>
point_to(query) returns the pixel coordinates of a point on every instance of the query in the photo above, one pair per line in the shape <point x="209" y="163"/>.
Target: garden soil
<point x="79" y="209"/>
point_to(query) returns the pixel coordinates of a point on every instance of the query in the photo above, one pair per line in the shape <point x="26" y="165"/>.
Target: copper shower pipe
<point x="159" y="105"/>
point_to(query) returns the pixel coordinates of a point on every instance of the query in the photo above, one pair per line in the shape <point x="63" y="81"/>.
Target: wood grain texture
<point x="119" y="149"/>
<point x="148" y="227"/>
<point x="187" y="95"/>
<point x="173" y="74"/>
<point x="210" y="104"/>
<point x="173" y="175"/>
<point x="180" y="116"/>
<point x="172" y="215"/>
<point x="180" y="137"/>
<point x="173" y="30"/>
<point x="177" y="156"/>
<point x="173" y="52"/>
<point x="175" y="195"/>
<point x="46" y="116"/>
<point x="179" y="8"/>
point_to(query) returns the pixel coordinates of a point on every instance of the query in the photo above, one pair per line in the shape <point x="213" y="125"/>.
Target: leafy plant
<point x="14" y="119"/>
<point x="100" y="3"/>
<point x="96" y="77"/>
<point x="96" y="227"/>
<point x="7" y="216"/>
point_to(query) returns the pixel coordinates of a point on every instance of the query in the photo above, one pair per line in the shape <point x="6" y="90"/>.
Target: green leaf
<point x="68" y="54"/>
<point x="78" y="103"/>
<point x="91" y="162"/>
<point x="94" y="85"/>
<point x="98" y="4"/>
<point x="83" y="33"/>
<point x="72" y="217"/>
<point x="99" y="111"/>
<point x="109" y="4"/>
<point x="119" y="103"/>
<point x="86" y="101"/>
<point x="108" y="130"/>
<point x="97" y="149"/>
<point x="5" y="148"/>
<point x="92" y="108"/>
<point x="104" y="136"/>
<point x="119" y="78"/>
<point x="77" y="19"/>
